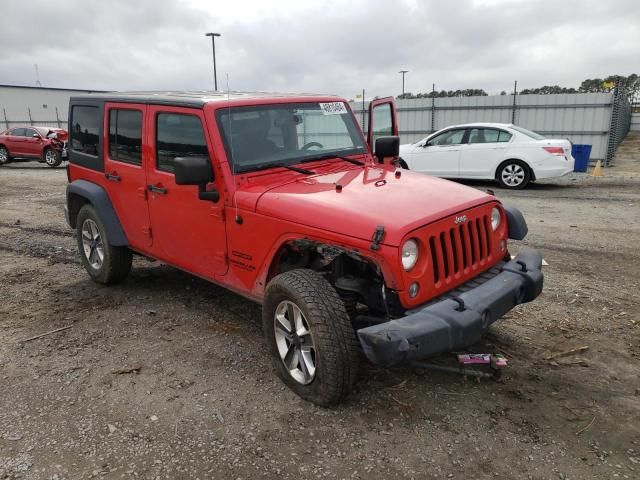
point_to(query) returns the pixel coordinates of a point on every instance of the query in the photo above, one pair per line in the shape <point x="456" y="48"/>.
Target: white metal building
<point x="22" y="105"/>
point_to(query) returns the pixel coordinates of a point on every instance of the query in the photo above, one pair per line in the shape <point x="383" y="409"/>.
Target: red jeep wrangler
<point x="283" y="200"/>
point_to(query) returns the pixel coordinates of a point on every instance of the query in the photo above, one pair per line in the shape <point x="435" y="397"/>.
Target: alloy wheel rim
<point x="295" y="342"/>
<point x="92" y="244"/>
<point x="513" y="175"/>
<point x="3" y="155"/>
<point x="50" y="157"/>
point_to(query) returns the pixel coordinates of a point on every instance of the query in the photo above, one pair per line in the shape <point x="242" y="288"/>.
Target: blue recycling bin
<point x="581" y="154"/>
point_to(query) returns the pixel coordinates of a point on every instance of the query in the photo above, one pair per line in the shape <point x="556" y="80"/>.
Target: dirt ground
<point x="200" y="400"/>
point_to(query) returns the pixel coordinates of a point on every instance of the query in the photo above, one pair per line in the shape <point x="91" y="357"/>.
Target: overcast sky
<point x="318" y="46"/>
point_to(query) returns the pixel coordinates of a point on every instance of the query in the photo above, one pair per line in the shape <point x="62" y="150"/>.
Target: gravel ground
<point x="167" y="376"/>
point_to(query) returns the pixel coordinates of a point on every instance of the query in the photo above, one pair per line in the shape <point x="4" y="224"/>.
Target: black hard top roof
<point x="190" y="98"/>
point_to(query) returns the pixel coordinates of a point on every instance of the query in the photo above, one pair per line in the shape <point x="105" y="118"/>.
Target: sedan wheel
<point x="4" y="156"/>
<point x="52" y="157"/>
<point x="295" y="343"/>
<point x="513" y="174"/>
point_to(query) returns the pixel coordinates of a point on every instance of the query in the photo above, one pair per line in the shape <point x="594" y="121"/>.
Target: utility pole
<point x="213" y="44"/>
<point x="403" y="72"/>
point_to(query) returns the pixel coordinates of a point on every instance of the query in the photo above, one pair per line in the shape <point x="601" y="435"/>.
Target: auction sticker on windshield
<point x="333" y="108"/>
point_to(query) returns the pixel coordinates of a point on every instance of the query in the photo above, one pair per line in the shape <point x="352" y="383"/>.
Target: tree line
<point x="631" y="84"/>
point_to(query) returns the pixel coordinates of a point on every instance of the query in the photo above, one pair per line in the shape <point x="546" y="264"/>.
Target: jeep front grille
<point x="460" y="249"/>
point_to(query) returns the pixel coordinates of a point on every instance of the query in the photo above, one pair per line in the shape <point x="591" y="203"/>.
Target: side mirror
<point x="195" y="171"/>
<point x="192" y="170"/>
<point x="35" y="135"/>
<point x="387" y="147"/>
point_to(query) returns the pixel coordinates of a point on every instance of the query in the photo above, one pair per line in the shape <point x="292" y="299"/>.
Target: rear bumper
<point x="557" y="167"/>
<point x="449" y="324"/>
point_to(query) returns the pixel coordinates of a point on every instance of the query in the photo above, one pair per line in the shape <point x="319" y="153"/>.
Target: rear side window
<point x="17" y="132"/>
<point x="488" y="135"/>
<point x="85" y="125"/>
<point x="125" y="136"/>
<point x="504" y="136"/>
<point x="178" y="135"/>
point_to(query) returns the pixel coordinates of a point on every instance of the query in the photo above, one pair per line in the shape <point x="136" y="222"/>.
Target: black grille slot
<point x="445" y="254"/>
<point x="454" y="249"/>
<point x="465" y="249"/>
<point x="434" y="260"/>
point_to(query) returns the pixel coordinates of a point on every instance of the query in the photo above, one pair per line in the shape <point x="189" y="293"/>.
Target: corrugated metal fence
<point x="584" y="118"/>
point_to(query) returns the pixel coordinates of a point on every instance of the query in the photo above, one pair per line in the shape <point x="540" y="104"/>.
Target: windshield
<point x="286" y="134"/>
<point x="528" y="133"/>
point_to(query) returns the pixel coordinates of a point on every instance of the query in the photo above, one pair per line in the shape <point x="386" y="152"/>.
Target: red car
<point x="46" y="144"/>
<point x="284" y="200"/>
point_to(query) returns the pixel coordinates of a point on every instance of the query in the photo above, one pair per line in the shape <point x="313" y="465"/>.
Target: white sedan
<point x="512" y="155"/>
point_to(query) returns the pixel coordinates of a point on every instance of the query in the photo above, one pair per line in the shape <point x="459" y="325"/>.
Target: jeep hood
<point x="368" y="197"/>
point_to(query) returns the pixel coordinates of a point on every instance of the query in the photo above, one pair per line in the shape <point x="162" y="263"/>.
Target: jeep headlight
<point x="409" y="254"/>
<point x="495" y="218"/>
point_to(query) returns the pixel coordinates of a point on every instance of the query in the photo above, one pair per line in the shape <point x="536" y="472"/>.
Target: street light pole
<point x="403" y="72"/>
<point x="213" y="44"/>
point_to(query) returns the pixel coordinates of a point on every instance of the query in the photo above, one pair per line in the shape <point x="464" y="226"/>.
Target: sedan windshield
<point x="285" y="134"/>
<point x="528" y="133"/>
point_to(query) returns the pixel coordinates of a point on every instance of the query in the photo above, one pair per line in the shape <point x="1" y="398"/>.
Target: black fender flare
<point x="516" y="223"/>
<point x="99" y="199"/>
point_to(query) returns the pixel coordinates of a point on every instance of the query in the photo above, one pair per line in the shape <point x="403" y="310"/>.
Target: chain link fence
<point x="620" y="121"/>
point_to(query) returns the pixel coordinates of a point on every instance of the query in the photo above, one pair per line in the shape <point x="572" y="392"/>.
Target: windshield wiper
<point x="267" y="166"/>
<point x="329" y="156"/>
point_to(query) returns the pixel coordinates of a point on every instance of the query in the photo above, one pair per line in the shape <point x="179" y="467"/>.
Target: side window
<point x="28" y="132"/>
<point x="125" y="136"/>
<point x="450" y="137"/>
<point x="477" y="135"/>
<point x="504" y="136"/>
<point x="85" y="127"/>
<point x="382" y="122"/>
<point x="178" y="135"/>
<point x="491" y="135"/>
<point x="17" y="132"/>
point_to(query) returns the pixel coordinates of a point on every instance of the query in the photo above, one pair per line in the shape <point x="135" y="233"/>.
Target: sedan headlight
<point x="409" y="254"/>
<point x="495" y="218"/>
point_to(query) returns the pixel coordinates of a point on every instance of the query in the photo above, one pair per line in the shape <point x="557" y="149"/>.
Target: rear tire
<point x="4" y="155"/>
<point x="321" y="351"/>
<point x="52" y="157"/>
<point x="104" y="262"/>
<point x="513" y="174"/>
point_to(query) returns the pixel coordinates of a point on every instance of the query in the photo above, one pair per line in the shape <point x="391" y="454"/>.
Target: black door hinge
<point x="378" y="235"/>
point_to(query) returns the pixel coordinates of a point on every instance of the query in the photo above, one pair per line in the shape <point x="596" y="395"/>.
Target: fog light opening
<point x="413" y="289"/>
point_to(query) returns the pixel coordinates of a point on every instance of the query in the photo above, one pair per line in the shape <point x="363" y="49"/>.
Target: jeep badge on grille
<point x="460" y="219"/>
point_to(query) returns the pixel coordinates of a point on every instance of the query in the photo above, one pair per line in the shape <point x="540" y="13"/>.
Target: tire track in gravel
<point x="57" y="246"/>
<point x="42" y="230"/>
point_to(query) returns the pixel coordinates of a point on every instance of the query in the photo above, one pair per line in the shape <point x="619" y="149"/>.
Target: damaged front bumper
<point x="459" y="319"/>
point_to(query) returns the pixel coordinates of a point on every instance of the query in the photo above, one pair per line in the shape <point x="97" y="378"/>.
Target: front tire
<point x="4" y="156"/>
<point x="310" y="337"/>
<point x="52" y="157"/>
<point x="513" y="174"/>
<point x="104" y="262"/>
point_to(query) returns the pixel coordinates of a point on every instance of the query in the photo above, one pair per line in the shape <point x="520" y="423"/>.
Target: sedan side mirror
<point x="387" y="147"/>
<point x="196" y="171"/>
<point x="35" y="135"/>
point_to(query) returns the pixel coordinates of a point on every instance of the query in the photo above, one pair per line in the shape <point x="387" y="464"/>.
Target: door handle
<point x="157" y="189"/>
<point x="112" y="177"/>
